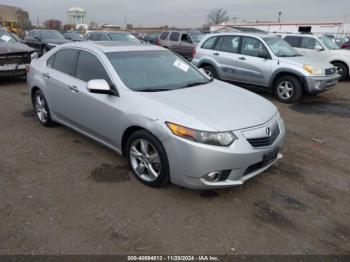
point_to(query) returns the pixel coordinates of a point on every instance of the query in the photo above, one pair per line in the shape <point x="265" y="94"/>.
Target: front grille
<point x="330" y="71"/>
<point x="265" y="141"/>
<point x="10" y="59"/>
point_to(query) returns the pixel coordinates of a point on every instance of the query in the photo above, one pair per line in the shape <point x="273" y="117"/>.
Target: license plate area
<point x="270" y="156"/>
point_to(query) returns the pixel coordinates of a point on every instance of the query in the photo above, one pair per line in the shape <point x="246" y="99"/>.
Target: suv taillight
<point x="158" y="41"/>
<point x="344" y="46"/>
<point x="193" y="52"/>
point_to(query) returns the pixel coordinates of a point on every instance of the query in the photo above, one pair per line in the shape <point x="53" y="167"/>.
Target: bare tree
<point x="217" y="16"/>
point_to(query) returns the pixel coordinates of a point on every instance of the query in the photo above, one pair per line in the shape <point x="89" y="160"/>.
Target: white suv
<point x="321" y="46"/>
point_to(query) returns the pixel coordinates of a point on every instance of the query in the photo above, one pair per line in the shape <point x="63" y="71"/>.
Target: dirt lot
<point x="61" y="193"/>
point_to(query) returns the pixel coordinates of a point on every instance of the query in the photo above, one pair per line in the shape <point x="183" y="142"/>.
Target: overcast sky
<point x="185" y="13"/>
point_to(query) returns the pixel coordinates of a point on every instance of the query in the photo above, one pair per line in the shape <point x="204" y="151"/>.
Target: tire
<point x="149" y="169"/>
<point x="41" y="108"/>
<point x="342" y="69"/>
<point x="210" y="71"/>
<point x="288" y="89"/>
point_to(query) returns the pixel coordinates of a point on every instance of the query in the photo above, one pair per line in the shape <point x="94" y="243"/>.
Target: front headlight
<point x="312" y="70"/>
<point x="211" y="138"/>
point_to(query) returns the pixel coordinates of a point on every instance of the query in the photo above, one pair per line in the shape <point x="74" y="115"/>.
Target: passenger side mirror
<point x="100" y="86"/>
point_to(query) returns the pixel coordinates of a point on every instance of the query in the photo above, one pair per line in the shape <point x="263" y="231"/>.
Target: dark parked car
<point x="73" y="36"/>
<point x="44" y="40"/>
<point x="111" y="36"/>
<point x="13" y="55"/>
<point x="346" y="45"/>
<point x="152" y="39"/>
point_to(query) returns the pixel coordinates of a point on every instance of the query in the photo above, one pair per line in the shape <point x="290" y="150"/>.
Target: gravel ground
<point x="61" y="193"/>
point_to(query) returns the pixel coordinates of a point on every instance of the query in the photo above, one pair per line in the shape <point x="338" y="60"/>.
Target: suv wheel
<point x="288" y="89"/>
<point x="210" y="71"/>
<point x="342" y="70"/>
<point x="42" y="109"/>
<point x="147" y="159"/>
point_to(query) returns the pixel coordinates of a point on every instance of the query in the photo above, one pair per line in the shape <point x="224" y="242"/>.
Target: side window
<point x="164" y="35"/>
<point x="36" y="34"/>
<point x="49" y="62"/>
<point x="294" y="41"/>
<point x="93" y="37"/>
<point x="230" y="44"/>
<point x="65" y="61"/>
<point x="89" y="67"/>
<point x="209" y="44"/>
<point x="310" y="43"/>
<point x="174" y="36"/>
<point x="252" y="46"/>
<point x="103" y="37"/>
<point x="218" y="44"/>
<point x="186" y="38"/>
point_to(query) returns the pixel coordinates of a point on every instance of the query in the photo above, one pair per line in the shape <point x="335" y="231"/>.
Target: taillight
<point x="28" y="68"/>
<point x="344" y="46"/>
<point x="193" y="52"/>
<point x="158" y="41"/>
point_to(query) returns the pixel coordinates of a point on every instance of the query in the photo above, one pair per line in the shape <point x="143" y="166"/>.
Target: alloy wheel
<point x="40" y="108"/>
<point x="145" y="160"/>
<point x="285" y="90"/>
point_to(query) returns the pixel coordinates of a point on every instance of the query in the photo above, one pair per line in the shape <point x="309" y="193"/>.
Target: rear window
<point x="164" y="35"/>
<point x="209" y="44"/>
<point x="174" y="36"/>
<point x="64" y="61"/>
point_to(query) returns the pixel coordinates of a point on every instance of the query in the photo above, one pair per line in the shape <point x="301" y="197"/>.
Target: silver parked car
<point x="265" y="61"/>
<point x="171" y="121"/>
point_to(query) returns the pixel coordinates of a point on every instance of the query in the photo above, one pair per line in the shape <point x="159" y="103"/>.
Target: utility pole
<point x="279" y="16"/>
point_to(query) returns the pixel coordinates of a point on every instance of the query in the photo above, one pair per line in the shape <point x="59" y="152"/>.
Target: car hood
<point x="341" y="52"/>
<point x="56" y="41"/>
<point x="313" y="60"/>
<point x="9" y="48"/>
<point x="216" y="106"/>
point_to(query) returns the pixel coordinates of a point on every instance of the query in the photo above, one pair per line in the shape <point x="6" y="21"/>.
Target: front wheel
<point x="210" y="71"/>
<point x="288" y="89"/>
<point x="147" y="159"/>
<point x="342" y="70"/>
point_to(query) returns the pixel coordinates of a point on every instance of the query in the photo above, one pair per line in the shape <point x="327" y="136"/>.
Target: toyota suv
<point x="181" y="42"/>
<point x="324" y="47"/>
<point x="264" y="61"/>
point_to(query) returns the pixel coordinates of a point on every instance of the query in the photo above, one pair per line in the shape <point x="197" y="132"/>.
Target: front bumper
<point x="190" y="162"/>
<point x="13" y="70"/>
<point x="317" y="84"/>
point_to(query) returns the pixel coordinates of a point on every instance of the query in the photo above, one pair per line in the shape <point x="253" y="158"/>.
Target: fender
<point x="212" y="62"/>
<point x="284" y="70"/>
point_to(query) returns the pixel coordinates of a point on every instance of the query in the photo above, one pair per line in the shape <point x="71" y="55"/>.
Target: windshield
<point x="280" y="47"/>
<point x="328" y="43"/>
<point x="6" y="37"/>
<point x="154" y="71"/>
<point x="123" y="37"/>
<point x="50" y="35"/>
<point x="197" y="37"/>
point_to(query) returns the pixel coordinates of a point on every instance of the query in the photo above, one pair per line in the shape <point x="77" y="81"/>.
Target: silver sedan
<point x="170" y="120"/>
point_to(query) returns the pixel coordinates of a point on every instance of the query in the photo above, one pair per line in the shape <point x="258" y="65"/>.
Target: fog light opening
<point x="317" y="84"/>
<point x="213" y="176"/>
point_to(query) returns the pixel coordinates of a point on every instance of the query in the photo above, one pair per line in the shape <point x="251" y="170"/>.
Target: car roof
<point x="110" y="32"/>
<point x="114" y="46"/>
<point x="298" y="34"/>
<point x="261" y="35"/>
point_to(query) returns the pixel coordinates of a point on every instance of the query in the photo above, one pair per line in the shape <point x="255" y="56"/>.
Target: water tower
<point x="76" y="15"/>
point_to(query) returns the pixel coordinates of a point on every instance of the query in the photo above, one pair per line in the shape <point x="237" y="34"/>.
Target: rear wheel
<point x="210" y="71"/>
<point x="342" y="70"/>
<point x="147" y="159"/>
<point x="41" y="109"/>
<point x="288" y="89"/>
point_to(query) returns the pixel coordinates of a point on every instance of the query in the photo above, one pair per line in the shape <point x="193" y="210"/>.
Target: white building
<point x="337" y="29"/>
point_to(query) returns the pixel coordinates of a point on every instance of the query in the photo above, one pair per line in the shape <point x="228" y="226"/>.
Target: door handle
<point x="74" y="89"/>
<point x="242" y="58"/>
<point x="46" y="75"/>
<point x="217" y="54"/>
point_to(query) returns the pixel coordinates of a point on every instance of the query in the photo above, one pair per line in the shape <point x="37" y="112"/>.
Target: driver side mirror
<point x="319" y="48"/>
<point x="100" y="86"/>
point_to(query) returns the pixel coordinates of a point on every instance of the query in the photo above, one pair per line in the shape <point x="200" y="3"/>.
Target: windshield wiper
<point x="194" y="84"/>
<point x="154" y="90"/>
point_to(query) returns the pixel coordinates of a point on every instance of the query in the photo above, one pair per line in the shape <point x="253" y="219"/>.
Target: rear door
<point x="60" y="82"/>
<point x="174" y="42"/>
<point x="251" y="68"/>
<point x="226" y="54"/>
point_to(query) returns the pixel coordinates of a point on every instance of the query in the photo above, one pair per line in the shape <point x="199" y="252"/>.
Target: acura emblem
<point x="268" y="131"/>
